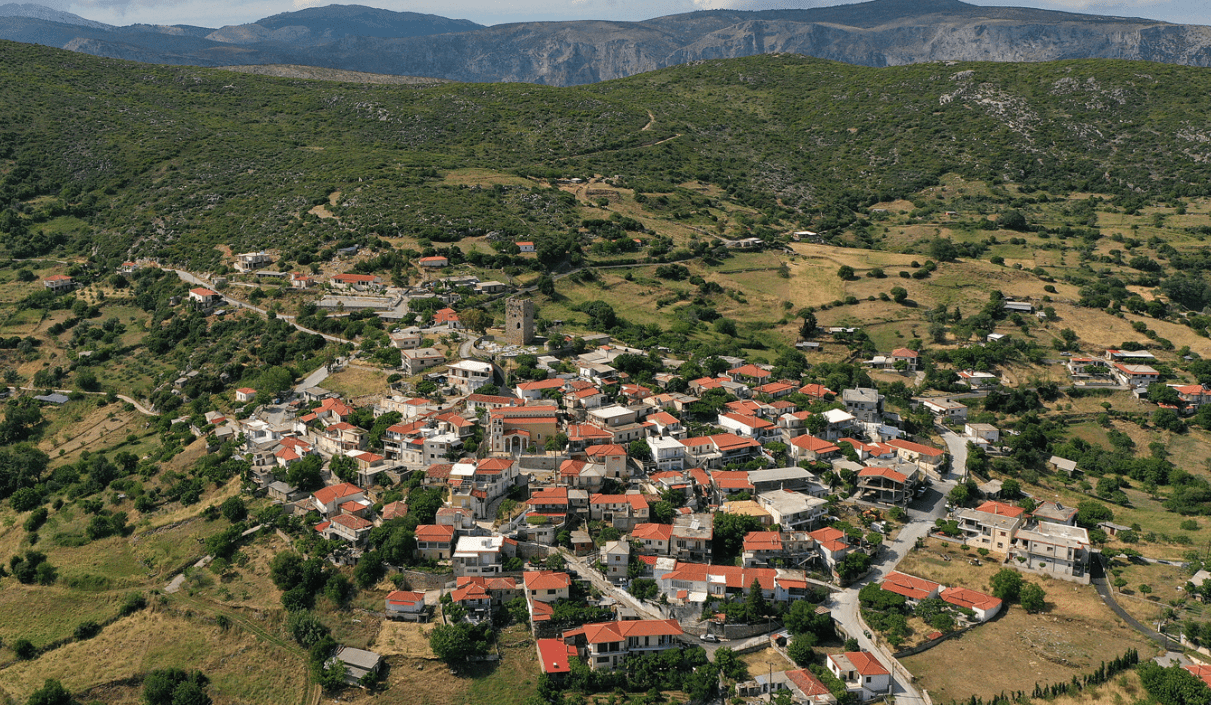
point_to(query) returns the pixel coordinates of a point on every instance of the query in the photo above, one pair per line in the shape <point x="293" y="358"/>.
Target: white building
<point x="469" y="375"/>
<point x="667" y="453"/>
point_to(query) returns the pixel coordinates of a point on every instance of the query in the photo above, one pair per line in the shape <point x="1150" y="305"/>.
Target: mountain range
<point x="365" y="39"/>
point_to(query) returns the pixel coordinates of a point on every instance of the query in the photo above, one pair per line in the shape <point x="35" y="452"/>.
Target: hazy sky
<point x="216" y="13"/>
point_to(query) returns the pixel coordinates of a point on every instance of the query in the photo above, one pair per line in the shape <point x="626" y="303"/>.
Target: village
<point x="575" y="484"/>
<point x="568" y="483"/>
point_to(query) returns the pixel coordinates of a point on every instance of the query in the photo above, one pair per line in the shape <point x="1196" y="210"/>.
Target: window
<point x="868" y="679"/>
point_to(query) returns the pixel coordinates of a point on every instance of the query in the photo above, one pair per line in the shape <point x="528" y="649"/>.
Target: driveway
<point x="957" y="445"/>
<point x="844" y="604"/>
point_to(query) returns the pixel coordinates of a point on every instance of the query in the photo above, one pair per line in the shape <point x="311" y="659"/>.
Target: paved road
<point x="194" y="279"/>
<point x="313" y="379"/>
<point x="957" y="445"/>
<point x="844" y="604"/>
<point x="1107" y="593"/>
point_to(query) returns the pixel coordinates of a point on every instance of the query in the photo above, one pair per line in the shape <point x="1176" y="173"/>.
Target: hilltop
<point x="369" y="40"/>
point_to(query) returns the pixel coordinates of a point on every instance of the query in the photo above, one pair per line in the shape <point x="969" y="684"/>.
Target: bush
<point x="306" y="628"/>
<point x="644" y="588"/>
<point x="87" y="630"/>
<point x="24" y="649"/>
<point x="1007" y="584"/>
<point x="1033" y="598"/>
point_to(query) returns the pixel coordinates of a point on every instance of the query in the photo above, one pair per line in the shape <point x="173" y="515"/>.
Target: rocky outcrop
<point x="879" y="33"/>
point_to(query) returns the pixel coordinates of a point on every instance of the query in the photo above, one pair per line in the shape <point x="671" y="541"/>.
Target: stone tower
<point x="519" y="321"/>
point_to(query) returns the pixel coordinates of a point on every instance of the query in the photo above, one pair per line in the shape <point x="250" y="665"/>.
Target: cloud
<point x="304" y="4"/>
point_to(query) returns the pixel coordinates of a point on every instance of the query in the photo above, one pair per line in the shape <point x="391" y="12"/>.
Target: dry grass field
<point x="357" y="382"/>
<point x="1075" y="634"/>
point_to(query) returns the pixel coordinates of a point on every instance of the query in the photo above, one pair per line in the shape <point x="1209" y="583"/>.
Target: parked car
<point x="709" y="637"/>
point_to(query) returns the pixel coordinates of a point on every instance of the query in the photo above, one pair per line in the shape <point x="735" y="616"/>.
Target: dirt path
<point x="651" y="121"/>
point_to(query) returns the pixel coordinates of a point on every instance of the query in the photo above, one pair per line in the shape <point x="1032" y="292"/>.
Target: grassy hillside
<point x="171" y="161"/>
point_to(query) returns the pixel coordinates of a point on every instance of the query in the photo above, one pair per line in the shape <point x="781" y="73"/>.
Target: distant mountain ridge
<point x="370" y="40"/>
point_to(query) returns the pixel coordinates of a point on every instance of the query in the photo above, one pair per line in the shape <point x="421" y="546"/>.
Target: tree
<point x="1007" y="584"/>
<point x="161" y="687"/>
<point x="1090" y="513"/>
<point x="87" y="380"/>
<point x="644" y="588"/>
<point x="306" y="628"/>
<point x="476" y="319"/>
<point x="729" y="532"/>
<point x="802" y="618"/>
<point x="233" y="509"/>
<point x="846" y="272"/>
<point x="800" y="649"/>
<point x="899" y="294"/>
<point x="640" y="450"/>
<point x="306" y="474"/>
<point x="1012" y="220"/>
<point x="725" y="326"/>
<point x="808" y="328"/>
<point x="959" y="495"/>
<point x="1033" y="599"/>
<point x="343" y="467"/>
<point x="853" y="566"/>
<point x="52" y="692"/>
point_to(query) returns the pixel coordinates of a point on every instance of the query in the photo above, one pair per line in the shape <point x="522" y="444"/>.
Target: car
<point x="709" y="637"/>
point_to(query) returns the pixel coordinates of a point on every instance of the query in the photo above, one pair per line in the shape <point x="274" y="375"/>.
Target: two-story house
<point x="607" y="644"/>
<point x="862" y="674"/>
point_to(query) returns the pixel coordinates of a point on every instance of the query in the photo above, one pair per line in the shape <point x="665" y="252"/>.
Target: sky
<point x="217" y="13"/>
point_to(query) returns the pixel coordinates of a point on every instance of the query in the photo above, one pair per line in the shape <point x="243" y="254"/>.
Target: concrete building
<point x="469" y="375"/>
<point x="866" y="405"/>
<point x="862" y="674"/>
<point x="1052" y="549"/>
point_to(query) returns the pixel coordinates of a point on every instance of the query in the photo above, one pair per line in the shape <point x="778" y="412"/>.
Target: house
<point x="1055" y="513"/>
<point x="476" y="484"/>
<point x="434" y="542"/>
<point x="482" y="555"/>
<point x="611" y="456"/>
<point x="991" y="525"/>
<point x="653" y="539"/>
<point x="667" y="454"/>
<point x="282" y="492"/>
<point x="475" y="402"/>
<point x="405" y="605"/>
<point x="866" y="405"/>
<point x="248" y="261"/>
<point x="535" y="390"/>
<point x="469" y="375"/>
<point x="946" y="410"/>
<point x="758" y="429"/>
<point x="808" y="447"/>
<point x="128" y="268"/>
<point x="832" y="545"/>
<point x="838" y="423"/>
<point x="1063" y="465"/>
<point x="982" y="433"/>
<point x="978" y="380"/>
<point x="349" y="527"/>
<point x="328" y="500"/>
<point x="490" y="287"/>
<point x="433" y="262"/>
<point x="59" y="282"/>
<point x="984" y="606"/>
<point x="416" y="361"/>
<point x="620" y="421"/>
<point x="792" y="510"/>
<point x="245" y="394"/>
<point x="447" y="317"/>
<point x="908" y="357"/>
<point x="761" y="547"/>
<point x="1079" y="366"/>
<point x="693" y="582"/>
<point x="358" y="663"/>
<point x="817" y="391"/>
<point x="204" y="298"/>
<point x="911" y="587"/>
<point x="301" y="281"/>
<point x="1052" y="549"/>
<point x="622" y="511"/>
<point x="359" y="281"/>
<point x="719" y="449"/>
<point x="691" y="538"/>
<point x="775" y="390"/>
<point x="554" y="655"/>
<point x="862" y="674"/>
<point x="525" y="246"/>
<point x="923" y="456"/>
<point x="607" y="644"/>
<point x="793" y="478"/>
<point x="749" y="375"/>
<point x="807" y="688"/>
<point x="472" y="597"/>
<point x="885" y="485"/>
<point x="1134" y="375"/>
<point x="407" y="339"/>
<point x="616" y="555"/>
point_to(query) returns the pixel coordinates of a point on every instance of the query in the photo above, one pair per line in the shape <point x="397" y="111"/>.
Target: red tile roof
<point x="971" y="599"/>
<point x="434" y="532"/>
<point x="351" y="522"/>
<point x="553" y="655"/>
<point x="812" y="444"/>
<point x="864" y="663"/>
<point x="883" y="472"/>
<point x="763" y="541"/>
<point x="606" y="632"/>
<point x="807" y="682"/>
<point x="816" y="390"/>
<point x="350" y="278"/>
<point x="546" y="580"/>
<point x="652" y="532"/>
<point x="909" y="586"/>
<point x="915" y="447"/>
<point x="336" y="492"/>
<point x="609" y="449"/>
<point x="402" y="598"/>
<point x="903" y="352"/>
<point x="1001" y="509"/>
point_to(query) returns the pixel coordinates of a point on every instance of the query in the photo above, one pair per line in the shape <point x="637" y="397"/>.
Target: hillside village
<point x="634" y="514"/>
